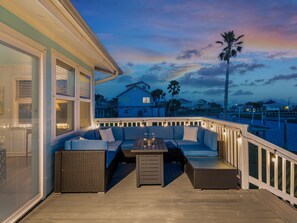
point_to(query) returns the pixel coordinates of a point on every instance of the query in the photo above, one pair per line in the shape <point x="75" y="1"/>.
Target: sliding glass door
<point x="19" y="150"/>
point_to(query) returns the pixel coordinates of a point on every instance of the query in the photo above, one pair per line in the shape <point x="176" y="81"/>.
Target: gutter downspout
<point x="111" y="77"/>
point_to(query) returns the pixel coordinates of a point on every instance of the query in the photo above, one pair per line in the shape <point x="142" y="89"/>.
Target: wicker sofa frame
<point x="83" y="171"/>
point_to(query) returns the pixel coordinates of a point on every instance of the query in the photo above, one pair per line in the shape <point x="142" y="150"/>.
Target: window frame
<point x="31" y="47"/>
<point x="146" y="100"/>
<point x="18" y="101"/>
<point x="82" y="99"/>
<point x="76" y="98"/>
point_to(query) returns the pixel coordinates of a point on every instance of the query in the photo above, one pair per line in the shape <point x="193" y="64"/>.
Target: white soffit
<point x="53" y="20"/>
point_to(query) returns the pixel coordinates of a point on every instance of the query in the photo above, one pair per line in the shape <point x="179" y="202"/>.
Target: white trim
<point x="76" y="99"/>
<point x="17" y="40"/>
<point x="87" y="100"/>
<point x="16" y="102"/>
<point x="25" y="208"/>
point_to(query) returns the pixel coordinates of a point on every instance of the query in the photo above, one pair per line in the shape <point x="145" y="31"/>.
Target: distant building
<point x="237" y="108"/>
<point x="185" y="103"/>
<point x="135" y="101"/>
<point x="271" y="106"/>
<point x="202" y="105"/>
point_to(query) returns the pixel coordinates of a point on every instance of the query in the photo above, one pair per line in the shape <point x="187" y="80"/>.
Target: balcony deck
<point x="176" y="202"/>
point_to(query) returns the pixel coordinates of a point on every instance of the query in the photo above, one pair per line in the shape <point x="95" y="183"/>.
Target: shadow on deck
<point x="176" y="202"/>
<point x="172" y="172"/>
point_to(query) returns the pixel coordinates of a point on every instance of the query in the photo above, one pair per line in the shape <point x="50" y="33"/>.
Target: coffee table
<point x="149" y="162"/>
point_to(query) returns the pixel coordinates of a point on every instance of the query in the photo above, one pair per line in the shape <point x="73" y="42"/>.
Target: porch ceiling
<point x="59" y="21"/>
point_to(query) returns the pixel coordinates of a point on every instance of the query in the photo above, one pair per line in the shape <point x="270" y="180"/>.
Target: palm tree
<point x="173" y="89"/>
<point x="175" y="106"/>
<point x="157" y="95"/>
<point x="232" y="46"/>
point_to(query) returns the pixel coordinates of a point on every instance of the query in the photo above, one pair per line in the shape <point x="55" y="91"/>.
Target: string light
<point x="224" y="131"/>
<point x="239" y="138"/>
<point x="273" y="157"/>
<point x="142" y="123"/>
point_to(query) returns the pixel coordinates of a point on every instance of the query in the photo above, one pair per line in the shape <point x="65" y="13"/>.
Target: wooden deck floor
<point x="176" y="202"/>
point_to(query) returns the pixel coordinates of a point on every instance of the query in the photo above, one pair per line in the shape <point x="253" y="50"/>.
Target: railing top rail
<point x="271" y="147"/>
<point x="198" y="118"/>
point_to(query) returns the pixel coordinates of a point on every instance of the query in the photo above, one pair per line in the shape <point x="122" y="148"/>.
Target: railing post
<point x="244" y="161"/>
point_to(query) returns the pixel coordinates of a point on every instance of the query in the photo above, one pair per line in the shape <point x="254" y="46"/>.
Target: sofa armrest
<point x="80" y="171"/>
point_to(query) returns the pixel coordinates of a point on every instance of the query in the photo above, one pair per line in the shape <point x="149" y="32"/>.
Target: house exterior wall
<point x="130" y="103"/>
<point x="50" y="47"/>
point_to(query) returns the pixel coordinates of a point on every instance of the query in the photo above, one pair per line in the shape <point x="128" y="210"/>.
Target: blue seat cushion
<point x="198" y="150"/>
<point x="211" y="139"/>
<point x="127" y="144"/>
<point x="110" y="155"/>
<point x="171" y="141"/>
<point x="178" y="132"/>
<point x="201" y="132"/>
<point x="90" y="134"/>
<point x="134" y="132"/>
<point x="199" y="153"/>
<point x="88" y="145"/>
<point x="186" y="142"/>
<point x="114" y="146"/>
<point x="115" y="143"/>
<point x="118" y="133"/>
<point x="162" y="132"/>
<point x="67" y="145"/>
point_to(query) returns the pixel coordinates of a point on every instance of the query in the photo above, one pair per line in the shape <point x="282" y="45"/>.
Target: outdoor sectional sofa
<point x="87" y="165"/>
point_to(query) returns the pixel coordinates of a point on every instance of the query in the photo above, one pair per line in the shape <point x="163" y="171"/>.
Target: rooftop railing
<point x="260" y="164"/>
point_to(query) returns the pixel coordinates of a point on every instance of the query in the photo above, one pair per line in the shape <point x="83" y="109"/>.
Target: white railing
<point x="254" y="157"/>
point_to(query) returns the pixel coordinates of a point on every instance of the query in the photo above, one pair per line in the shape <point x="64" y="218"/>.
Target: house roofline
<point x="131" y="89"/>
<point x="81" y="22"/>
<point x="129" y="85"/>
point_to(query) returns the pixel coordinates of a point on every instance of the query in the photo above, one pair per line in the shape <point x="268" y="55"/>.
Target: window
<point x="85" y="120"/>
<point x="85" y="86"/>
<point x="65" y="90"/>
<point x="25" y="113"/>
<point x="24" y="89"/>
<point x="24" y="101"/>
<point x="85" y="102"/>
<point x="64" y="116"/>
<point x="65" y="79"/>
<point x="72" y="100"/>
<point x="146" y="100"/>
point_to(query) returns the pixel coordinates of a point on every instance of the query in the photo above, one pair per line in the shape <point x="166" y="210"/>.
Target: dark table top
<point x="209" y="163"/>
<point x="158" y="146"/>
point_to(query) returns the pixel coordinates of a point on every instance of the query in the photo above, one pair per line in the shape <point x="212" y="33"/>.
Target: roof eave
<point x="77" y="17"/>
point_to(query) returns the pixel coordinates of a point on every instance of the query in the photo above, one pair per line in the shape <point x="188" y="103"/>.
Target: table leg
<point x="137" y="171"/>
<point x="162" y="169"/>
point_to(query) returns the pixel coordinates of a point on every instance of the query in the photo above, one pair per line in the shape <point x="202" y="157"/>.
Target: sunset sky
<point x="161" y="40"/>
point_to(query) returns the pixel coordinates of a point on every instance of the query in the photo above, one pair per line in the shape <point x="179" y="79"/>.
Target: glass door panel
<point x="19" y="169"/>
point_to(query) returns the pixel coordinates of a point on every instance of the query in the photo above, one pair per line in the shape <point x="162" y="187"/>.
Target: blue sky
<point x="161" y="40"/>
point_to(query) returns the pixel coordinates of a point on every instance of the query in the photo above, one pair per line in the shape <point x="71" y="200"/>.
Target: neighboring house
<point x="271" y="105"/>
<point x="135" y="101"/>
<point x="185" y="103"/>
<point x="237" y="108"/>
<point x="202" y="104"/>
<point x="101" y="106"/>
<point x="48" y="56"/>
